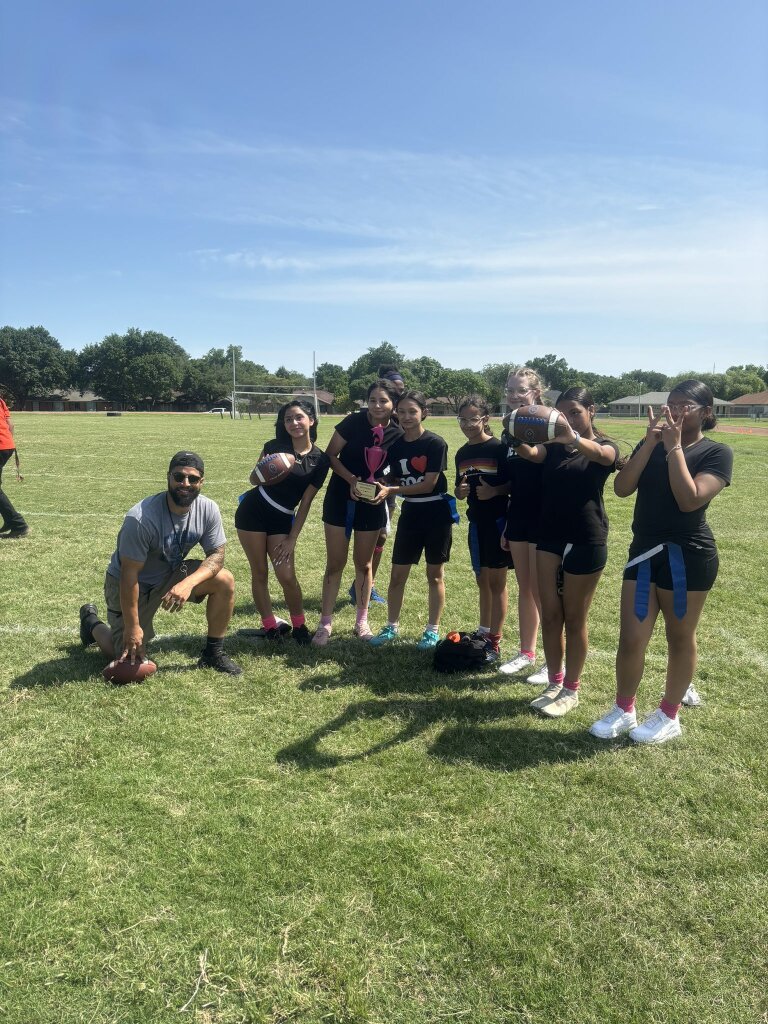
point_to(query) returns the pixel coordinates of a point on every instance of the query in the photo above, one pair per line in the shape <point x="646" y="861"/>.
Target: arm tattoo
<point x="214" y="561"/>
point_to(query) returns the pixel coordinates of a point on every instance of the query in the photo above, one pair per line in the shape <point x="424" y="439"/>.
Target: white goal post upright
<point x="251" y="391"/>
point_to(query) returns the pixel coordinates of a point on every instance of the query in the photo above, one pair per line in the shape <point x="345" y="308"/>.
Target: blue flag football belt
<point x="677" y="571"/>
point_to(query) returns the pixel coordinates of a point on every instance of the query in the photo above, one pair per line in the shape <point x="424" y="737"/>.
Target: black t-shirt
<point x="524" y="483"/>
<point x="410" y="461"/>
<point x="309" y="470"/>
<point x="486" y="460"/>
<point x="357" y="432"/>
<point x="572" y="508"/>
<point x="657" y="515"/>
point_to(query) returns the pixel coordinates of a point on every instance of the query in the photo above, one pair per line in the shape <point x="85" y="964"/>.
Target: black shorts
<point x="523" y="525"/>
<point x="485" y="550"/>
<point x="581" y="560"/>
<point x="700" y="569"/>
<point x="337" y="505"/>
<point x="255" y="515"/>
<point x="424" y="527"/>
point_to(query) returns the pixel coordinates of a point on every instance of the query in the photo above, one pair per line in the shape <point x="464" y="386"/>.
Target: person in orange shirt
<point x="14" y="524"/>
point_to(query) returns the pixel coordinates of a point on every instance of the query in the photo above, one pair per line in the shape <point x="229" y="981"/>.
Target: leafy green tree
<point x="554" y="371"/>
<point x="369" y="363"/>
<point x="423" y="375"/>
<point x="333" y="378"/>
<point x="496" y="374"/>
<point x="741" y="381"/>
<point x="134" y="368"/>
<point x="33" y="364"/>
<point x="457" y="384"/>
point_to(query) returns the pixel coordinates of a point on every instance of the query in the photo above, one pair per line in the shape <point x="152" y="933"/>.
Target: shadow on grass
<point x="469" y="738"/>
<point x="84" y="665"/>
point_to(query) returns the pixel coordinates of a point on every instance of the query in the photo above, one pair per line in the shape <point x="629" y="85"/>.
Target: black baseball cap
<point x="187" y="459"/>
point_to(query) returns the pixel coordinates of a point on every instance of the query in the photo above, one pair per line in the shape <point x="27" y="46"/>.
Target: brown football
<point x="124" y="672"/>
<point x="274" y="468"/>
<point x="536" y="424"/>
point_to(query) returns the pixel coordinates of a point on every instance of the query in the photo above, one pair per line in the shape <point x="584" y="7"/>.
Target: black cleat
<point x="302" y="635"/>
<point x="14" y="534"/>
<point x="220" y="663"/>
<point x="86" y="631"/>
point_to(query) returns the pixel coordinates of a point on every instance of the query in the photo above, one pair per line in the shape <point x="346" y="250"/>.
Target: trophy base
<point x="366" y="491"/>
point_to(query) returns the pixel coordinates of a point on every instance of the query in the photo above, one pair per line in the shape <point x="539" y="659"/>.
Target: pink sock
<point x="556" y="677"/>
<point x="670" y="710"/>
<point x="571" y="684"/>
<point x="269" y="621"/>
<point x="325" y="620"/>
<point x="297" y="620"/>
<point x="362" y="616"/>
<point x="625" y="703"/>
<point x="529" y="654"/>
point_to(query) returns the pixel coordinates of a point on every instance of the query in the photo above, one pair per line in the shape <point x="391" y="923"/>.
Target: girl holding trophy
<point x="354" y="502"/>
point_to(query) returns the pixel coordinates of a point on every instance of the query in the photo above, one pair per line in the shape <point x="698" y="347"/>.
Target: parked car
<point x="219" y="409"/>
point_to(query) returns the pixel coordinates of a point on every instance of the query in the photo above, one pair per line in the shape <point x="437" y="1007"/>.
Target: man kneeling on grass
<point x="150" y="569"/>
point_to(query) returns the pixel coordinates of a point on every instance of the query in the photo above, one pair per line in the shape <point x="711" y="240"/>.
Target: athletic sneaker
<point x="86" y="632"/>
<point x="322" y="636"/>
<point x="429" y="639"/>
<point x="23" y="531"/>
<point x="275" y="634"/>
<point x="302" y="635"/>
<point x="385" y="636"/>
<point x="363" y="631"/>
<point x="657" y="728"/>
<point x="566" y="701"/>
<point x="517" y="664"/>
<point x="551" y="693"/>
<point x="614" y="723"/>
<point x="375" y="596"/>
<point x="692" y="698"/>
<point x="540" y="678"/>
<point x="491" y="654"/>
<point x="220" y="663"/>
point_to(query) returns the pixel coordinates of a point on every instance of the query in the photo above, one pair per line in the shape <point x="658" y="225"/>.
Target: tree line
<point x="141" y="369"/>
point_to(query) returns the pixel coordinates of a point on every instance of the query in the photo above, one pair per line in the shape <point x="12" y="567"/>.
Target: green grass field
<point x="342" y="835"/>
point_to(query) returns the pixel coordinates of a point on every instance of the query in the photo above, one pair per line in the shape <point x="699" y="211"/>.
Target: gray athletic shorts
<point x="149" y="602"/>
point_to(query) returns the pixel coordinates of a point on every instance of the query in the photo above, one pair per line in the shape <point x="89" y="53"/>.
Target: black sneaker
<point x="276" y="633"/>
<point x="219" y="662"/>
<point x="86" y="632"/>
<point x="14" y="534"/>
<point x="302" y="635"/>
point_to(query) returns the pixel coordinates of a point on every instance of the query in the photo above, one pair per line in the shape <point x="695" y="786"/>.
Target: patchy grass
<point x="343" y="835"/>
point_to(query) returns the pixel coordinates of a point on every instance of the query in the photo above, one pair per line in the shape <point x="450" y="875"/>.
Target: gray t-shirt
<point x="152" y="534"/>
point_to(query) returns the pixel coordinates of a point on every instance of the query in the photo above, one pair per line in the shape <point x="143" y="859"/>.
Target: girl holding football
<point x="673" y="561"/>
<point x="418" y="460"/>
<point x="524" y="387"/>
<point x="269" y="523"/>
<point x="347" y="511"/>
<point x="571" y="550"/>
<point x="481" y="480"/>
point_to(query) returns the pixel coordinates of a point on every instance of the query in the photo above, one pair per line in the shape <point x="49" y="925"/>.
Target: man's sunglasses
<point x="193" y="478"/>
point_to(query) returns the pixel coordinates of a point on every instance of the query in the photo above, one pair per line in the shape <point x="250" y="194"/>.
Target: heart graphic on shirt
<point x="419" y="463"/>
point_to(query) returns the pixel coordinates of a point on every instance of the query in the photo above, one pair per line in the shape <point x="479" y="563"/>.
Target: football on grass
<point x="274" y="468"/>
<point x="536" y="424"/>
<point x="125" y="672"/>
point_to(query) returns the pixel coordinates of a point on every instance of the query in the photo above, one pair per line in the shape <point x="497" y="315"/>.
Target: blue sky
<point x="479" y="182"/>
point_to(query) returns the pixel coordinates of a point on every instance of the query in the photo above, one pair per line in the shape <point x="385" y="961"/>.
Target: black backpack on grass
<point x="461" y="652"/>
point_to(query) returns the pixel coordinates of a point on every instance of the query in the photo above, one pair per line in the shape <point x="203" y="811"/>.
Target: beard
<point x="181" y="496"/>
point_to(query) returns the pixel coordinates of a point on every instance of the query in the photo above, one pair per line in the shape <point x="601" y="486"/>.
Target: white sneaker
<point x="540" y="678"/>
<point x="614" y="723"/>
<point x="517" y="664"/>
<point x="565" y="701"/>
<point x="657" y="728"/>
<point x="551" y="693"/>
<point x="692" y="698"/>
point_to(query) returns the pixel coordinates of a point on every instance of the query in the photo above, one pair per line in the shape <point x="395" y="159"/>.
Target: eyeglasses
<point x="474" y="422"/>
<point x="684" y="407"/>
<point x="193" y="478"/>
<point x="518" y="393"/>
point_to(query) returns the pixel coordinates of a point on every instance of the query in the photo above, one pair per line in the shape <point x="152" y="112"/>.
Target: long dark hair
<point x="415" y="396"/>
<point x="584" y="397"/>
<point x="383" y="385"/>
<point x="699" y="394"/>
<point x="282" y="434"/>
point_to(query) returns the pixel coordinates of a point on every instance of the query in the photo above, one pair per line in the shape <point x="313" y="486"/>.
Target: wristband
<point x="677" y="448"/>
<point x="576" y="438"/>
